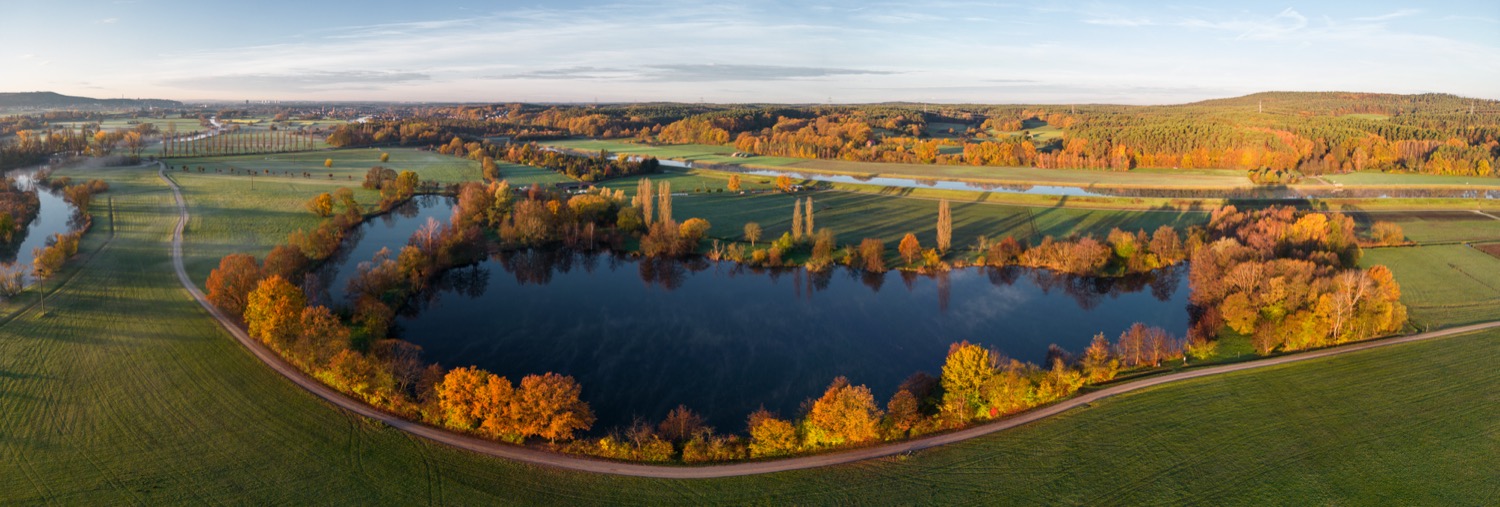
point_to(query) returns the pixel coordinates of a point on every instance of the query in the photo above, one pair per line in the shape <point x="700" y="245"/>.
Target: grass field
<point x="695" y="152"/>
<point x="857" y="216"/>
<point x="128" y="393"/>
<point x="184" y="125"/>
<point x="348" y="165"/>
<point x="1401" y="179"/>
<point x="1443" y="285"/>
<point x="1437" y="226"/>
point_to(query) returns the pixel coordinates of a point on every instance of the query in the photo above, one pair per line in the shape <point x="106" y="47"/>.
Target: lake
<point x="642" y="336"/>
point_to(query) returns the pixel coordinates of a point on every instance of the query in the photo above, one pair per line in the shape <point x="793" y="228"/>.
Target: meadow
<point x="127" y="392"/>
<point x="348" y="165"/>
<point x="1443" y="285"/>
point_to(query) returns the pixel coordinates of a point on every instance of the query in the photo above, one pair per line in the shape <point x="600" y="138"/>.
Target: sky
<point x="1155" y="52"/>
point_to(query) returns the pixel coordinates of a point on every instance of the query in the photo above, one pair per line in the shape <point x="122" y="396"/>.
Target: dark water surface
<point x="644" y="336"/>
<point x="53" y="217"/>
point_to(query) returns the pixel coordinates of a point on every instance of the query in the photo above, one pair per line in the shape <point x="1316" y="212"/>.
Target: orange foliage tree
<point x="230" y="284"/>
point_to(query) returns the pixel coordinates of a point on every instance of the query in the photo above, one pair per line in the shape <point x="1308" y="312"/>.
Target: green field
<point x="184" y="125"/>
<point x="1039" y="130"/>
<point x="128" y="393"/>
<point x="695" y="152"/>
<point x="1443" y="285"/>
<point x="1437" y="226"/>
<point x="1404" y="179"/>
<point x="857" y="216"/>
<point x="348" y="165"/>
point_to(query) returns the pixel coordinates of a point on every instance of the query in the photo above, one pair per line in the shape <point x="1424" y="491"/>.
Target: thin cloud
<point x="1394" y="15"/>
<point x="1127" y="22"/>
<point x="715" y="72"/>
<point x="300" y="81"/>
<point x="689" y="72"/>
<point x="1258" y="27"/>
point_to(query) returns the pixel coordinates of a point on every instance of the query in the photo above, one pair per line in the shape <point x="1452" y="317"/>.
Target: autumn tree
<point x="384" y="157"/>
<point x="770" y="436"/>
<point x="680" y="425"/>
<point x="1387" y="233"/>
<point x="321" y="337"/>
<point x="664" y="202"/>
<point x="645" y="200"/>
<point x="784" y="183"/>
<point x="734" y="183"/>
<point x="321" y="204"/>
<point x="909" y="248"/>
<point x="797" y="220"/>
<point x="286" y="261"/>
<point x="944" y="227"/>
<point x="273" y="311"/>
<point x="550" y="407"/>
<point x="902" y="413"/>
<point x="872" y="255"/>
<point x="1099" y="363"/>
<point x="965" y="372"/>
<point x="692" y="232"/>
<point x="844" y="414"/>
<point x="230" y="284"/>
<point x="752" y="232"/>
<point x="328" y="163"/>
<point x="808" y="215"/>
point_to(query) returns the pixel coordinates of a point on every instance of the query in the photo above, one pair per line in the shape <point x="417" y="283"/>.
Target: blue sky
<point x="751" y="51"/>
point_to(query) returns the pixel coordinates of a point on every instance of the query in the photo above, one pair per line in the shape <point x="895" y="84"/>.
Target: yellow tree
<point x="770" y="436"/>
<point x="968" y="368"/>
<point x="797" y="220"/>
<point x="844" y="414"/>
<point x="944" y="226"/>
<point x="734" y="183"/>
<point x="273" y="311"/>
<point x="321" y="204"/>
<point x="752" y="232"/>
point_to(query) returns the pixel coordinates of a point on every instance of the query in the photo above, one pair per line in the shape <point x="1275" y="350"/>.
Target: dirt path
<point x="540" y="457"/>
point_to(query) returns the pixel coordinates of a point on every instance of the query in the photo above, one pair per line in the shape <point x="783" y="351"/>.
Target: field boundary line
<point x="558" y="460"/>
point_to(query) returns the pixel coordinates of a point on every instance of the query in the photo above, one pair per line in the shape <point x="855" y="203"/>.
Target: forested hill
<point x="52" y="100"/>
<point x="1342" y="103"/>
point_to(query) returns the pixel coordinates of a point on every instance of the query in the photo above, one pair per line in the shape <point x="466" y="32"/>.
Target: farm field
<point x="1427" y="227"/>
<point x="128" y="393"/>
<point x="1402" y="179"/>
<point x="348" y="165"/>
<point x="695" y="152"/>
<point x="1443" y="285"/>
<point x="854" y="216"/>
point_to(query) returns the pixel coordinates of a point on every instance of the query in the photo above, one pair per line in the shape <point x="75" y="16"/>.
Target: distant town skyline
<point x="783" y="52"/>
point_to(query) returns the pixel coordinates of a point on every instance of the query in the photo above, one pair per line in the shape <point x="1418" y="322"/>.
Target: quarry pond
<point x="642" y="336"/>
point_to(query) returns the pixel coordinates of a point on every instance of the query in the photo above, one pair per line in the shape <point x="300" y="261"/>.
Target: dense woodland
<point x="1278" y="134"/>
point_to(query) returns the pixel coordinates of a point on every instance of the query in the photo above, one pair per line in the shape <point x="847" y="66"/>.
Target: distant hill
<point x="51" y="100"/>
<point x="1337" y="103"/>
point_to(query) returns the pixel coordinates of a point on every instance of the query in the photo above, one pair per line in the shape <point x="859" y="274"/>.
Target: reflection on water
<point x="644" y="335"/>
<point x="54" y="216"/>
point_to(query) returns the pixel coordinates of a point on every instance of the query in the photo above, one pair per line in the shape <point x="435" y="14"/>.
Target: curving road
<point x="541" y="457"/>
